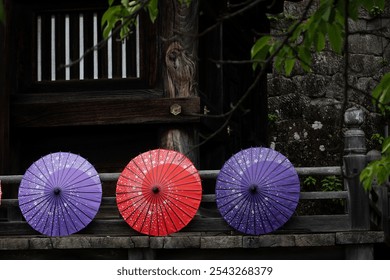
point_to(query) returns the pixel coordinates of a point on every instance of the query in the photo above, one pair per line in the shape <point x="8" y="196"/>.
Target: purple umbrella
<point x="257" y="190"/>
<point x="60" y="194"/>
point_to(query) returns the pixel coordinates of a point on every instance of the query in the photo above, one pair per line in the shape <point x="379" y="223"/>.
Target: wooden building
<point x="124" y="98"/>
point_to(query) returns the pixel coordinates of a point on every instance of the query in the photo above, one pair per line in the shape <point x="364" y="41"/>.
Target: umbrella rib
<point x="76" y="215"/>
<point x="259" y="175"/>
<point x="71" y="197"/>
<point x="43" y="201"/>
<point x="49" y="179"/>
<point x="74" y="180"/>
<point x="143" y="222"/>
<point x="164" y="174"/>
<point x="246" y="207"/>
<point x="244" y="173"/>
<point x="170" y="196"/>
<point x="270" y="196"/>
<point x="262" y="203"/>
<point x="230" y="182"/>
<point x="175" y="165"/>
<point x="62" y="171"/>
<point x="71" y="201"/>
<point x="174" y="213"/>
<point x="134" y="202"/>
<point x="163" y="220"/>
<point x="267" y="172"/>
<point x="129" y="179"/>
<point x="139" y="168"/>
<point x="283" y="179"/>
<point x="85" y="186"/>
<point x="149" y="170"/>
<point x="72" y="166"/>
<point x="277" y="202"/>
<point x="239" y="198"/>
<point x="233" y="169"/>
<point x="32" y="182"/>
<point x="41" y="172"/>
<point x="68" y="215"/>
<point x="174" y="203"/>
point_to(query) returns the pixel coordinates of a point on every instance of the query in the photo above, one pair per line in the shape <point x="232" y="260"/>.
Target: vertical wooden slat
<point x="117" y="57"/>
<point x="46" y="46"/>
<point x="102" y="52"/>
<point x="131" y="63"/>
<point x="74" y="43"/>
<point x="88" y="44"/>
<point x="60" y="46"/>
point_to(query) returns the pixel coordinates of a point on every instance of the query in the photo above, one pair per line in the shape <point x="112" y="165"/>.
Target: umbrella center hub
<point x="253" y="189"/>
<point x="57" y="191"/>
<point x="156" y="189"/>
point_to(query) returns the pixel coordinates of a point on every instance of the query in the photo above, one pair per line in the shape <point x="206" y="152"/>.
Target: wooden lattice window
<point x="51" y="35"/>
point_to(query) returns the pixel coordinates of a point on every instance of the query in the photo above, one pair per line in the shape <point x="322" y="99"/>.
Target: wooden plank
<point x="319" y="223"/>
<point x="101" y="111"/>
<point x="289" y="240"/>
<point x="319" y="171"/>
<point x="184" y="241"/>
<point x="324" y="195"/>
<point x="204" y="174"/>
<point x="360" y="237"/>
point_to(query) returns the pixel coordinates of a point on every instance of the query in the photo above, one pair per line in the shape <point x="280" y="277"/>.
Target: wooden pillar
<point x="354" y="162"/>
<point x="179" y="47"/>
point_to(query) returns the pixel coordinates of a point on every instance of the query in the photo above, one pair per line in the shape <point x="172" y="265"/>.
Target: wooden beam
<point x="49" y="110"/>
<point x="180" y="241"/>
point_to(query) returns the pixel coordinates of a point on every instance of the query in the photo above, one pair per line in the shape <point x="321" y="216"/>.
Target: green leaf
<point x="109" y="20"/>
<point x="289" y="65"/>
<point x="110" y="2"/>
<point x="259" y="44"/>
<point x="386" y="145"/>
<point x="153" y="10"/>
<point x="320" y="41"/>
<point x="304" y="55"/>
<point x="335" y="35"/>
<point x="260" y="51"/>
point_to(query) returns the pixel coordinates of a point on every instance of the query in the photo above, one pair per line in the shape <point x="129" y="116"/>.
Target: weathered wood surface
<point x="179" y="47"/>
<point x="183" y="240"/>
<point x="206" y="231"/>
<point x="54" y="110"/>
<point x="204" y="174"/>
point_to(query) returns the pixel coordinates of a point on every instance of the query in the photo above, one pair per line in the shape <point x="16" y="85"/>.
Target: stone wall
<point x="305" y="108"/>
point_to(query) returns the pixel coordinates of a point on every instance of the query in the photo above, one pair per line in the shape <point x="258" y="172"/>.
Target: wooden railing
<point x="363" y="222"/>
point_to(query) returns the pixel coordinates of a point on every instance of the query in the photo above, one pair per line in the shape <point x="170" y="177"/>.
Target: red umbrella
<point x="159" y="192"/>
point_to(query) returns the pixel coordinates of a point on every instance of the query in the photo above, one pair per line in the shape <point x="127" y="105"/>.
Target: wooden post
<point x="180" y="27"/>
<point x="354" y="162"/>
